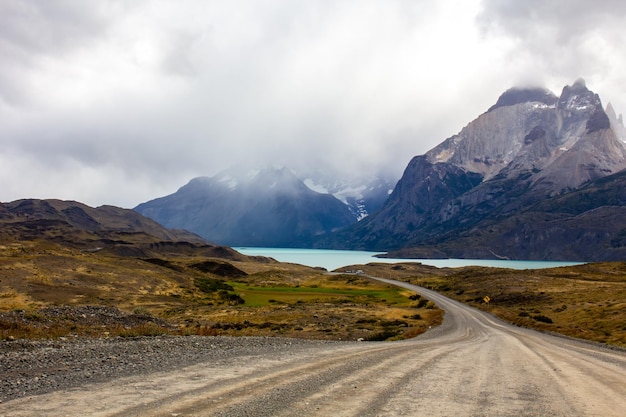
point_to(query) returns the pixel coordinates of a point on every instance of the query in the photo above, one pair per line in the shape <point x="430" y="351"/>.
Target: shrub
<point x="141" y="311"/>
<point x="211" y="285"/>
<point x="382" y="335"/>
<point x="542" y="319"/>
<point x="232" y="299"/>
<point x="389" y="323"/>
<point x="366" y="321"/>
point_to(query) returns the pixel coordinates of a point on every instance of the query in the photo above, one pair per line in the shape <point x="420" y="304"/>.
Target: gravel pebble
<point x="31" y="367"/>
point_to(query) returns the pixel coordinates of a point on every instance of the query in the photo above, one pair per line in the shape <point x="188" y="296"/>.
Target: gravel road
<point x="471" y="365"/>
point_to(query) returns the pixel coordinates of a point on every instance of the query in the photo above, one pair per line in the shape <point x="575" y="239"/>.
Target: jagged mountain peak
<point x="471" y="195"/>
<point x="578" y="97"/>
<point x="528" y="134"/>
<point x="610" y="111"/>
<point x="617" y="122"/>
<point x="517" y="95"/>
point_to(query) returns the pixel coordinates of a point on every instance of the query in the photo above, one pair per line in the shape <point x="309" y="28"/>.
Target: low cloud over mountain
<point x="268" y="207"/>
<point x="498" y="188"/>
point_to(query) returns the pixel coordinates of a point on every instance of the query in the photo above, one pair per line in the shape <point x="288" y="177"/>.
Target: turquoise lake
<point x="333" y="259"/>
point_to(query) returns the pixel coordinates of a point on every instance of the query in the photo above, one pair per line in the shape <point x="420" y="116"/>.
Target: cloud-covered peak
<point x="517" y="95"/>
<point x="114" y="102"/>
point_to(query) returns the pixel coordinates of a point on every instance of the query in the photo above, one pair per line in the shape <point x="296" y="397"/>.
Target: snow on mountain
<point x="318" y="188"/>
<point x="363" y="194"/>
<point x="478" y="192"/>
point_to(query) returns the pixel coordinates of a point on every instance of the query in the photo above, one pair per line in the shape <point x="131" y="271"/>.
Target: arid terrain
<point x="141" y="326"/>
<point x="583" y="301"/>
<point x="471" y="365"/>
<point x="47" y="290"/>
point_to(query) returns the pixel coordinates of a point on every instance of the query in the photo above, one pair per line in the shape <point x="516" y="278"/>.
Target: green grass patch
<point x="260" y="296"/>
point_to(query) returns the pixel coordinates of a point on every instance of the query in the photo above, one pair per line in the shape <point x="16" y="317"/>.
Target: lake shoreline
<point x="332" y="259"/>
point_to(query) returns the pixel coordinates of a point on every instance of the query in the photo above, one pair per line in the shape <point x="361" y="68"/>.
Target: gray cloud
<point x="559" y="39"/>
<point x="34" y="31"/>
<point x="126" y="101"/>
<point x="565" y="21"/>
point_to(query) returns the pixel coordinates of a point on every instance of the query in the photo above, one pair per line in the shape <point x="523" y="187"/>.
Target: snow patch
<point x="350" y="192"/>
<point x="539" y="105"/>
<point x="318" y="188"/>
<point x="361" y="211"/>
<point x="231" y="182"/>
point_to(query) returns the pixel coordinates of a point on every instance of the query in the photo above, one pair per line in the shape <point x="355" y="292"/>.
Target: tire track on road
<point x="471" y="365"/>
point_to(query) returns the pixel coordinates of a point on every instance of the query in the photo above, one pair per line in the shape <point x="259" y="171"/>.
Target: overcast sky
<point x="119" y="102"/>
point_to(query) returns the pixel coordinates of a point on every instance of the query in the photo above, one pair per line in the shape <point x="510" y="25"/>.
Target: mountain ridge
<point x="516" y="155"/>
<point x="105" y="229"/>
<point x="267" y="207"/>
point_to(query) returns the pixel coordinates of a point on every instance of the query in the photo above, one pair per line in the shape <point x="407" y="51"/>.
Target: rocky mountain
<point x="269" y="207"/>
<point x="106" y="229"/>
<point x="502" y="175"/>
<point x="363" y="194"/>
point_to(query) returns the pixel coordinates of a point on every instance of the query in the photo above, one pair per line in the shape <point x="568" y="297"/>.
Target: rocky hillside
<point x="105" y="229"/>
<point x="495" y="189"/>
<point x="270" y="207"/>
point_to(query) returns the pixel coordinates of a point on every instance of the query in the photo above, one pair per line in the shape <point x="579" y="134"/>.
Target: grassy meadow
<point x="195" y="295"/>
<point x="47" y="290"/>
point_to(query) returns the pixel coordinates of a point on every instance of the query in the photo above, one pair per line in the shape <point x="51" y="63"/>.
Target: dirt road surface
<point x="472" y="365"/>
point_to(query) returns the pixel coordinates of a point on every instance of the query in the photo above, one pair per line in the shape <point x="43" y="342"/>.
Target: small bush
<point x="232" y="299"/>
<point x="211" y="285"/>
<point x="390" y="323"/>
<point x="422" y="303"/>
<point x="382" y="335"/>
<point x="141" y="311"/>
<point x="542" y="319"/>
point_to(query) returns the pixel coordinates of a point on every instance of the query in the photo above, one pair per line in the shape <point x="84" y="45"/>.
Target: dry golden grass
<point x="585" y="301"/>
<point x="278" y="299"/>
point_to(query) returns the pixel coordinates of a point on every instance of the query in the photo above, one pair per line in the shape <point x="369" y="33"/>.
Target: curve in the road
<point x="471" y="365"/>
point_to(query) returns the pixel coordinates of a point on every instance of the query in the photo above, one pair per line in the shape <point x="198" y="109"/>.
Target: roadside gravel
<point x="42" y="366"/>
<point x="471" y="365"/>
